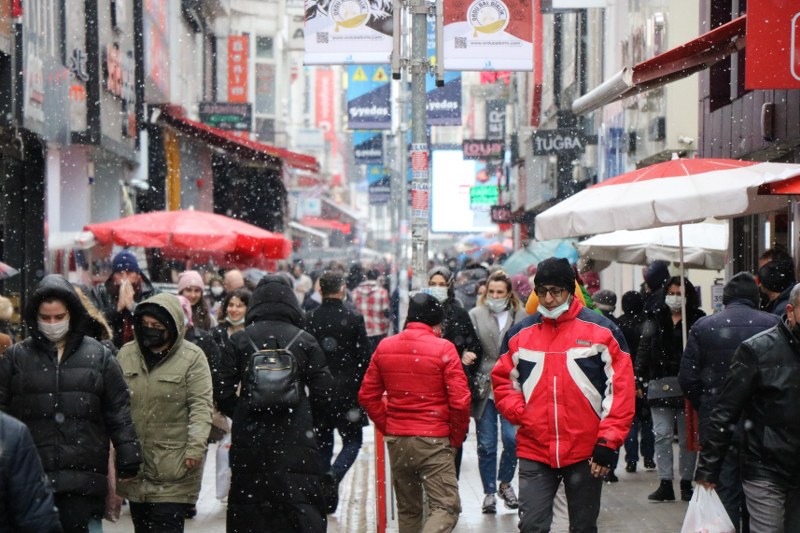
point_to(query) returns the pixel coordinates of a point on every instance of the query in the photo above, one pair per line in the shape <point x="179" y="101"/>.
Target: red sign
<point x="324" y="103"/>
<point x="773" y="45"/>
<point x="238" y="46"/>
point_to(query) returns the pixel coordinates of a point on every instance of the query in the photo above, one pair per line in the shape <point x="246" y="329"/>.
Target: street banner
<point x="488" y="35"/>
<point x="773" y="45"/>
<point x="340" y="32"/>
<point x="368" y="147"/>
<point x="369" y="97"/>
<point x="443" y="104"/>
<point x="238" y="48"/>
<point x="378" y="185"/>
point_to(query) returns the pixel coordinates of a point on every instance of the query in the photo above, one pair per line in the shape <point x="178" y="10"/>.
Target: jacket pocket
<point x="167" y="460"/>
<point x="171" y="389"/>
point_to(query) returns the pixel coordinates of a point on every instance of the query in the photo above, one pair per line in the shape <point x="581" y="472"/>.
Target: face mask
<point x="497" y="305"/>
<point x="217" y="291"/>
<point x="153" y="337"/>
<point x="440" y="293"/>
<point x="674" y="302"/>
<point x="235" y="322"/>
<point x="54" y="332"/>
<point x="555" y="312"/>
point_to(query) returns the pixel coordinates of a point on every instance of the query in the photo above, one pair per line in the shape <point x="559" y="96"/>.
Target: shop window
<point x="265" y="48"/>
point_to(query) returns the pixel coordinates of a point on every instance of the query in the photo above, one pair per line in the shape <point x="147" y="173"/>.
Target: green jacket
<point x="171" y="407"/>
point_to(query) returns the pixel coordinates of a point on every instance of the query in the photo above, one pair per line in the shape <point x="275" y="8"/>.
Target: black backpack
<point x="272" y="379"/>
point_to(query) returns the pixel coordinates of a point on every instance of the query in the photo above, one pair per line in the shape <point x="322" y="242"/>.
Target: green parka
<point x="171" y="407"/>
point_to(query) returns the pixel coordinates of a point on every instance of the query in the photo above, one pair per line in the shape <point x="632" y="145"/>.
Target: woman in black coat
<point x="69" y="390"/>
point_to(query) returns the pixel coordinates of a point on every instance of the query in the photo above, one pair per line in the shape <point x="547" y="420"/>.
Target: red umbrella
<point x="196" y="233"/>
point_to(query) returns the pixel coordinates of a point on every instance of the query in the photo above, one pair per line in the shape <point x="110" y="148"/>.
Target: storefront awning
<point x="239" y="146"/>
<point x="309" y="232"/>
<point x="326" y="224"/>
<point x="332" y="209"/>
<point x="678" y="63"/>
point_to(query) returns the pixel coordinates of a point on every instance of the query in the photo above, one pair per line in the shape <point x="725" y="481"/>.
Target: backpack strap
<point x="291" y="342"/>
<point x="294" y="339"/>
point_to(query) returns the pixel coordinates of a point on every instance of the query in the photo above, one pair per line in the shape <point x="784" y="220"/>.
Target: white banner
<point x="341" y="32"/>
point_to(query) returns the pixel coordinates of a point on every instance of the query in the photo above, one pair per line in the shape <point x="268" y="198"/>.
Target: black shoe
<point x="649" y="464"/>
<point x="611" y="477"/>
<point x="686" y="490"/>
<point x="190" y="512"/>
<point x="630" y="467"/>
<point x="664" y="492"/>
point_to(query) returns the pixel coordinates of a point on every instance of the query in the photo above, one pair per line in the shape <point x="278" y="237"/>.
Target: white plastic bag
<point x="706" y="514"/>
<point x="223" y="467"/>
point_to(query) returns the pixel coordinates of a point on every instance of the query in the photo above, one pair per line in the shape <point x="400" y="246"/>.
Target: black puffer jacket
<point x="273" y="457"/>
<point x="72" y="407"/>
<point x="26" y="498"/>
<point x="709" y="350"/>
<point x="763" y="389"/>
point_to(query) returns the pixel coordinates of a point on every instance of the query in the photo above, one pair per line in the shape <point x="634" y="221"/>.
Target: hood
<point x="273" y="299"/>
<point x="55" y="286"/>
<point x="98" y="327"/>
<point x="167" y="309"/>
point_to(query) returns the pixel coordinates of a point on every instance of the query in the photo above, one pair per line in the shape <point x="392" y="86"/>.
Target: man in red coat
<point x="425" y="417"/>
<point x="565" y="378"/>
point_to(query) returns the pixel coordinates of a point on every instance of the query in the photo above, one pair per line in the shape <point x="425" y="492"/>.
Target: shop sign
<point x="227" y="115"/>
<point x="238" y="48"/>
<point x="483" y="195"/>
<point x="559" y="141"/>
<point x="502" y="214"/>
<point x="496" y="119"/>
<point x="483" y="149"/>
<point x="118" y="72"/>
<point x="773" y="45"/>
<point x="76" y="63"/>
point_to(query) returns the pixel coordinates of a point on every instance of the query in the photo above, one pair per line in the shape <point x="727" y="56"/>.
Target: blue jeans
<point x="487" y="449"/>
<point x="352" y="437"/>
<point x="642" y="424"/>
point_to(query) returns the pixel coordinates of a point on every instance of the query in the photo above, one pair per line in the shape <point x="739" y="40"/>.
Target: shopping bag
<point x="706" y="514"/>
<point x="223" y="467"/>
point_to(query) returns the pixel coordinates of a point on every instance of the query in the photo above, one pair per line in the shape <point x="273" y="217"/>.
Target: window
<point x="264" y="48"/>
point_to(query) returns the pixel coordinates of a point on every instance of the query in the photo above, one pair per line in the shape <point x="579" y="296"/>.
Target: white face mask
<point x="497" y="305"/>
<point x="54" y="332"/>
<point x="556" y="311"/>
<point x="674" y="302"/>
<point x="217" y="291"/>
<point x="440" y="293"/>
<point x="235" y="322"/>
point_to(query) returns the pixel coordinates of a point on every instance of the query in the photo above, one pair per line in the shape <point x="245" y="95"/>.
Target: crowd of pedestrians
<point x="117" y="391"/>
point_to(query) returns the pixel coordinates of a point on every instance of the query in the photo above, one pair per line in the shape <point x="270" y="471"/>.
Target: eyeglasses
<point x="555" y="292"/>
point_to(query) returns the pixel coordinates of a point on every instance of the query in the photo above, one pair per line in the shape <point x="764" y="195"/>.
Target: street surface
<point x="625" y="507"/>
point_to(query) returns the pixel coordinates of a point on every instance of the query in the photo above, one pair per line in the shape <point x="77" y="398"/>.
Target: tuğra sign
<point x="559" y="141"/>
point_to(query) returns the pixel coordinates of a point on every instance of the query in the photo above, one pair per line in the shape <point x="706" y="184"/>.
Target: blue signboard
<point x="369" y="97"/>
<point x="444" y="103"/>
<point x="379" y="180"/>
<point x="368" y="147"/>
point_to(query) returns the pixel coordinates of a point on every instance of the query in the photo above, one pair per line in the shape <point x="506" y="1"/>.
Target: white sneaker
<point x="508" y="496"/>
<point x="489" y="504"/>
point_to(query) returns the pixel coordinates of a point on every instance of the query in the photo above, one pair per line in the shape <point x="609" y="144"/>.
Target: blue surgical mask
<point x="556" y="311"/>
<point x="440" y="293"/>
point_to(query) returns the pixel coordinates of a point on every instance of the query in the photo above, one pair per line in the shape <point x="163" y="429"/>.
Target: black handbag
<point x="662" y="388"/>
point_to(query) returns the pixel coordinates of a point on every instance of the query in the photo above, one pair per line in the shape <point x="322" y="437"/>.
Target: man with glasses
<point x="565" y="378"/>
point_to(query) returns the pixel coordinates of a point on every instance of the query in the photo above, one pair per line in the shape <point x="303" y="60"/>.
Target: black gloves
<point x="127" y="473"/>
<point x="603" y="455"/>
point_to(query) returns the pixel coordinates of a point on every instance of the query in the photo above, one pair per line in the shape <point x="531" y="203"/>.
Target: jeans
<point x="352" y="437"/>
<point x="664" y="419"/>
<point x="772" y="508"/>
<point x="642" y="424"/>
<point x="158" y="517"/>
<point x="487" y="449"/>
<point x="538" y="484"/>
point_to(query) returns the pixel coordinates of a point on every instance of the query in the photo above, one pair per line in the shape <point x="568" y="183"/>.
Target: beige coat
<point x="171" y="406"/>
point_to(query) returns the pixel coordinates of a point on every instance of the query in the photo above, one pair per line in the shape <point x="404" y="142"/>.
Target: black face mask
<point x="153" y="337"/>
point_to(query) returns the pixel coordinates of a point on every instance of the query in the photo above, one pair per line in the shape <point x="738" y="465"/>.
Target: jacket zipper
<point x="57" y="405"/>
<point x="555" y="415"/>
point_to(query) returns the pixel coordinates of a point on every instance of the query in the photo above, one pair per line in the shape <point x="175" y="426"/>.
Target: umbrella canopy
<point x="668" y="193"/>
<point x="705" y="246"/>
<point x="198" y="233"/>
<point x="7" y="271"/>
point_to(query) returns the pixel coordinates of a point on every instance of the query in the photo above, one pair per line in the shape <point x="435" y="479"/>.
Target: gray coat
<point x="490" y="336"/>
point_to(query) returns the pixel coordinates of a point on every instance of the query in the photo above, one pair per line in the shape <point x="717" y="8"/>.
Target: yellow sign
<point x="360" y="75"/>
<point x="380" y="75"/>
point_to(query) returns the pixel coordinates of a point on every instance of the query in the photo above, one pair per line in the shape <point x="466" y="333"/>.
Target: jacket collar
<point x="420" y="326"/>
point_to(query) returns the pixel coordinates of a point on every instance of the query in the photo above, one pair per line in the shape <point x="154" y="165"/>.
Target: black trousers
<point x="74" y="512"/>
<point x="158" y="517"/>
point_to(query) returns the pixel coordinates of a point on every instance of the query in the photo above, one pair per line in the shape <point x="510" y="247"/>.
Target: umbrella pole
<point x="683" y="284"/>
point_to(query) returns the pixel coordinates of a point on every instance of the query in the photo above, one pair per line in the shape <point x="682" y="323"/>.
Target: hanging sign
<point x="369" y="103"/>
<point x="339" y="32"/>
<point x="238" y="48"/>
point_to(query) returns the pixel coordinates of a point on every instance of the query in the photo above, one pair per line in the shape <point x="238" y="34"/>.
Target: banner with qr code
<point x="488" y="35"/>
<point x="340" y="32"/>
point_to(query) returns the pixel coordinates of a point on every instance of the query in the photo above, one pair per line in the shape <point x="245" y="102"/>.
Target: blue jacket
<point x="709" y="350"/>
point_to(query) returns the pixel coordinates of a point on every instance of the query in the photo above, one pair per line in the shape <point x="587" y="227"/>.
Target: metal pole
<point x="420" y="187"/>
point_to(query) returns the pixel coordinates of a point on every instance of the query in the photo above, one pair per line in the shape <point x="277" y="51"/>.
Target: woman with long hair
<point x="231" y="315"/>
<point x="192" y="287"/>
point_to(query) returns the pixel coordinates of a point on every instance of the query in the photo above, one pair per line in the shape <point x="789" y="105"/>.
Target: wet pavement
<point x="625" y="507"/>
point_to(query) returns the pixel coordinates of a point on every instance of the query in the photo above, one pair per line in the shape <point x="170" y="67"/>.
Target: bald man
<point x="233" y="280"/>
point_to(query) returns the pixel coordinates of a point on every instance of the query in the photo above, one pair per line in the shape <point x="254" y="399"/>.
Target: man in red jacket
<point x="565" y="378"/>
<point x="425" y="417"/>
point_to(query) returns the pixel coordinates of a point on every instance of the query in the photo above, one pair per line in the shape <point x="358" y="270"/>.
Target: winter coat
<point x="778" y="306"/>
<point x="74" y="407"/>
<point x="205" y="341"/>
<point x="709" y="350"/>
<point x="274" y="456"/>
<point x="491" y="336"/>
<point x="457" y="328"/>
<point x="660" y="350"/>
<point x="342" y="336"/>
<point x="427" y="392"/>
<point x="763" y="389"/>
<point x="568" y="384"/>
<point x="26" y="498"/>
<point x="172" y="406"/>
<point x="106" y="301"/>
<point x="631" y="327"/>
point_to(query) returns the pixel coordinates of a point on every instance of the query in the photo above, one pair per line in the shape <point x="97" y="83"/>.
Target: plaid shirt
<point x="372" y="302"/>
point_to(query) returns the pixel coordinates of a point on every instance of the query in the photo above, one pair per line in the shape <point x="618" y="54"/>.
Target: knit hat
<point x="555" y="271"/>
<point x="742" y="286"/>
<point x="426" y="309"/>
<point x="190" y="278"/>
<point x="125" y="261"/>
<point x="605" y="300"/>
<point x="632" y="303"/>
<point x="656" y="274"/>
<point x="187" y="309"/>
<point x="777" y="275"/>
